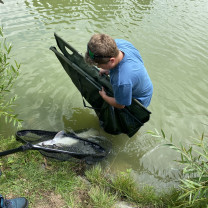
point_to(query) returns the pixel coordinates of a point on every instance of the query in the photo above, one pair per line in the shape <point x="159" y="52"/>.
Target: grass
<point x="49" y="183"/>
<point x="30" y="174"/>
<point x="100" y="197"/>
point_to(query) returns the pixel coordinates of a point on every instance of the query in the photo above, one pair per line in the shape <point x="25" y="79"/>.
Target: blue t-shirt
<point x="130" y="78"/>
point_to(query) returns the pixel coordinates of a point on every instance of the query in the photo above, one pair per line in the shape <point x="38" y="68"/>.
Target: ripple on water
<point x="172" y="38"/>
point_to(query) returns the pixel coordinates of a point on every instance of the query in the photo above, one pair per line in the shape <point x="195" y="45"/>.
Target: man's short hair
<point x="100" y="49"/>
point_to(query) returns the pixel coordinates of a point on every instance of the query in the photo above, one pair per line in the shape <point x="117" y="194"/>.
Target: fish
<point x="60" y="140"/>
<point x="72" y="142"/>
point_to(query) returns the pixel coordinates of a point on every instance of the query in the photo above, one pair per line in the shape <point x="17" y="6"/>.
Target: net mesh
<point x="90" y="149"/>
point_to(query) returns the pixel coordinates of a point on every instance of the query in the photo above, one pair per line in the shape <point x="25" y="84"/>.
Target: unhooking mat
<point x="88" y="81"/>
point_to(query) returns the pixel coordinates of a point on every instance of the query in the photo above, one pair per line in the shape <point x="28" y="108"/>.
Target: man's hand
<point x="103" y="71"/>
<point x="102" y="92"/>
<point x="110" y="100"/>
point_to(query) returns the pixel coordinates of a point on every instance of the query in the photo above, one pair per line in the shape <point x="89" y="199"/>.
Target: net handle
<point x="18" y="149"/>
<point x="29" y="146"/>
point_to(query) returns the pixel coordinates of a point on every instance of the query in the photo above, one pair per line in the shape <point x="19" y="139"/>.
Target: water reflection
<point x="75" y="121"/>
<point x="93" y="14"/>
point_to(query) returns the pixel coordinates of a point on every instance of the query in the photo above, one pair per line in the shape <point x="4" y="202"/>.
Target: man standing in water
<point x="123" y="62"/>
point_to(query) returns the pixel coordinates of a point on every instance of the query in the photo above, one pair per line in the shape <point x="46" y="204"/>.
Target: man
<point x="123" y="62"/>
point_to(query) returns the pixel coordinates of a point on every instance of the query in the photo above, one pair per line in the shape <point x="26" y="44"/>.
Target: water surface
<point x="172" y="39"/>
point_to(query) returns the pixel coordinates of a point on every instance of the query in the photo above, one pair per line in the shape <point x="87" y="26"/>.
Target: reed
<point x="9" y="71"/>
<point x="193" y="190"/>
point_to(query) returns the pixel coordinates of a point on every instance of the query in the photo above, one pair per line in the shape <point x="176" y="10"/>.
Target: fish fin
<point x="60" y="134"/>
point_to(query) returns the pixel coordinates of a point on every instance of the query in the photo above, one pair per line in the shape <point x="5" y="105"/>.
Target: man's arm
<point x="110" y="100"/>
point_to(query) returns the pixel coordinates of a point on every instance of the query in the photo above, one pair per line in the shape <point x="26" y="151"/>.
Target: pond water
<point x="172" y="37"/>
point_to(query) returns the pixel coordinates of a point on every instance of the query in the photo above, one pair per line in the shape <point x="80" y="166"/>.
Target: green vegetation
<point x="123" y="187"/>
<point x="99" y="197"/>
<point x="8" y="74"/>
<point x="194" y="160"/>
<point x="43" y="180"/>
